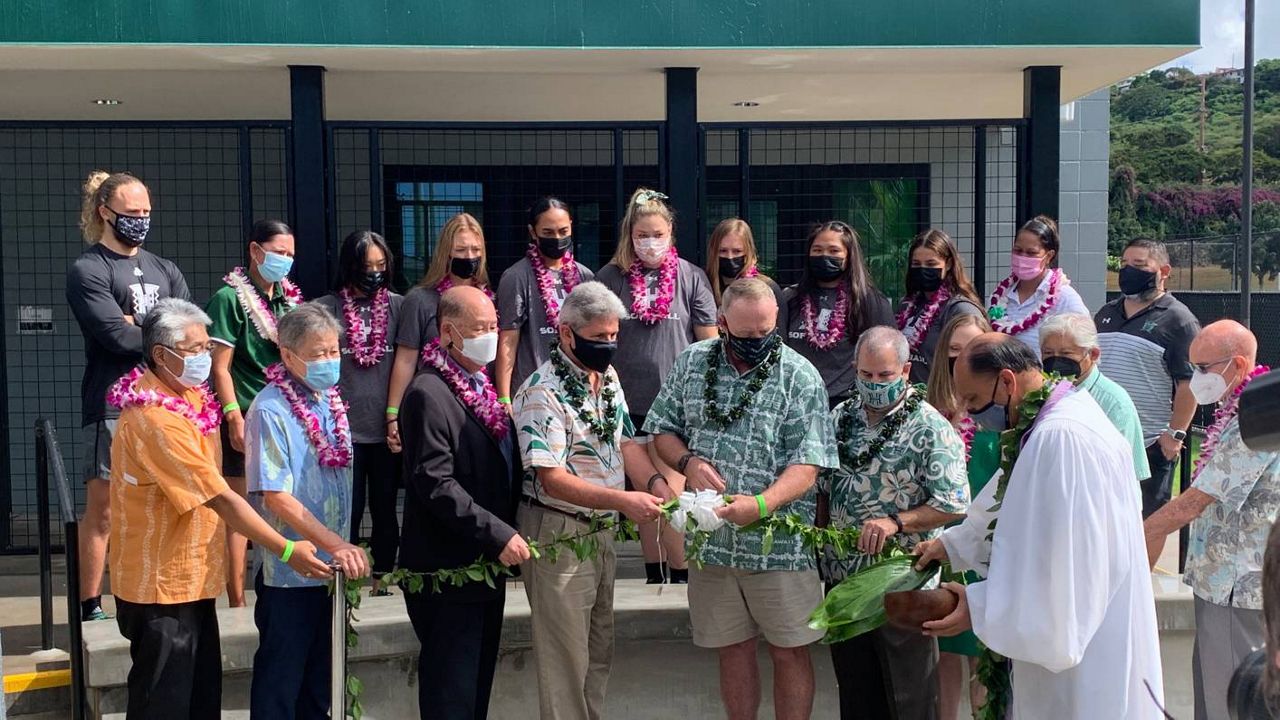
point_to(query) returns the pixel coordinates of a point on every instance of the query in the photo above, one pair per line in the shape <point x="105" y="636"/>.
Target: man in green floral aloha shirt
<point x="747" y="416"/>
<point x="902" y="476"/>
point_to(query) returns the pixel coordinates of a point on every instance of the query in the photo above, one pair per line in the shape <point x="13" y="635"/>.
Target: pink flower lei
<point x="835" y="328"/>
<point x="483" y="404"/>
<point x="569" y="276"/>
<point x="367" y="348"/>
<point x="967" y="429"/>
<point x="919" y="329"/>
<point x="1223" y="416"/>
<point x="125" y="393"/>
<point x="255" y="306"/>
<point x="998" y="298"/>
<point x="750" y="272"/>
<point x="446" y="282"/>
<point x="335" y="453"/>
<point x="661" y="307"/>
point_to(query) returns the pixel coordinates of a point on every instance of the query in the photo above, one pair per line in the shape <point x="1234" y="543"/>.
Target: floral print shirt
<point x="922" y="464"/>
<point x="280" y="458"/>
<point x="552" y="434"/>
<point x="1224" y="557"/>
<point x="786" y="424"/>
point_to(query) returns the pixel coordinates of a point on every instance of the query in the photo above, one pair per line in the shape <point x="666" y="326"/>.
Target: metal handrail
<point x="49" y="463"/>
<point x="338" y="659"/>
<point x="1184" y="482"/>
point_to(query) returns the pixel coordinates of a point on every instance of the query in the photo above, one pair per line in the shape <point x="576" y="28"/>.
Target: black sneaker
<point x="97" y="613"/>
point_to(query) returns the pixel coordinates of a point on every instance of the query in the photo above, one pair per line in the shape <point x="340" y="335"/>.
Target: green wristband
<point x="393" y="411"/>
<point x="505" y="400"/>
<point x="230" y="407"/>
<point x="288" y="551"/>
<point x="764" y="509"/>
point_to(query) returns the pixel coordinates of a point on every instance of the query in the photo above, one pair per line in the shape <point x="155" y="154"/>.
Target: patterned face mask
<point x="130" y="229"/>
<point x="881" y="395"/>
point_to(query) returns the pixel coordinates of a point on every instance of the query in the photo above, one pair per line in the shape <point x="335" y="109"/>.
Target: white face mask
<point x="481" y="349"/>
<point x="1208" y="387"/>
<point x="652" y="250"/>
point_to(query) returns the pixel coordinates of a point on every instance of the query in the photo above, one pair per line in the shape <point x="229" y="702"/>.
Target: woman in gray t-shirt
<point x="671" y="307"/>
<point x="530" y="294"/>
<point x="834" y="302"/>
<point x="938" y="289"/>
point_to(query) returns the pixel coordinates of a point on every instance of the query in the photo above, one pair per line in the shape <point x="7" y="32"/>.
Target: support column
<point x="1041" y="105"/>
<point x="682" y="161"/>
<point x="307" y="179"/>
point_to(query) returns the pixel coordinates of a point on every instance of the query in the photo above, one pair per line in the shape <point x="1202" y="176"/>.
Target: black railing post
<point x="1184" y="482"/>
<point x="46" y="542"/>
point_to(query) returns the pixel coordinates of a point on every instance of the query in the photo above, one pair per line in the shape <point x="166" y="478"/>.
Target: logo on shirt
<point x="145" y="297"/>
<point x="1149" y="325"/>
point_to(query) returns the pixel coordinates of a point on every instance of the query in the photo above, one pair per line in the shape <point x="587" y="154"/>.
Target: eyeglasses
<point x="187" y="351"/>
<point x="1207" y="367"/>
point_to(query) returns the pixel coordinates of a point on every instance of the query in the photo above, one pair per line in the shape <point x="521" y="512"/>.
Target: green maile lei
<point x="993" y="671"/>
<point x="888" y="429"/>
<point x="605" y="426"/>
<point x="758" y="379"/>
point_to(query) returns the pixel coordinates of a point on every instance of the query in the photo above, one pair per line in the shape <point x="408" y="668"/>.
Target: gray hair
<point x="745" y="289"/>
<point x="167" y="324"/>
<point x="883" y="336"/>
<point x="589" y="302"/>
<point x="302" y="322"/>
<point x="1076" y="326"/>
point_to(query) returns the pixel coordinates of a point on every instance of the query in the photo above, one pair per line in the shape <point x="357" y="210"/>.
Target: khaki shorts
<point x="729" y="606"/>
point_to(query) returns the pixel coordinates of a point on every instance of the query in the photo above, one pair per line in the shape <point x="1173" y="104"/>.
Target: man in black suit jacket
<point x="463" y="484"/>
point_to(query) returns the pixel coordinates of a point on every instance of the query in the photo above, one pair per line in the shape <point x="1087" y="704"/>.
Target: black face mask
<point x="1064" y="366"/>
<point x="372" y="282"/>
<point x="465" y="268"/>
<point x="1136" y="281"/>
<point x="825" y="268"/>
<point x="732" y="267"/>
<point x="989" y="420"/>
<point x="924" y="279"/>
<point x="753" y="351"/>
<point x="554" y="248"/>
<point x="594" y="354"/>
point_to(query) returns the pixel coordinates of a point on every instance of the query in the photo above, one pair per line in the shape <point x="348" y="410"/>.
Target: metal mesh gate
<point x="207" y="183"/>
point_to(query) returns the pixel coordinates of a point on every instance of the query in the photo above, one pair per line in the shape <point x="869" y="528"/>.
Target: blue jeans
<point x="291" y="667"/>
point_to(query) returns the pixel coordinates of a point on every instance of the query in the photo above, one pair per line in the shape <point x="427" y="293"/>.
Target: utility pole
<point x="1246" y="169"/>
<point x="1204" y="112"/>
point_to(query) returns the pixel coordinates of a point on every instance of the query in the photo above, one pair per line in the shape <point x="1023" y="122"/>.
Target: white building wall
<point x="1084" y="176"/>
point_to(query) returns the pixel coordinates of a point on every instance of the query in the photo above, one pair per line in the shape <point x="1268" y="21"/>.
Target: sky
<point x="1222" y="35"/>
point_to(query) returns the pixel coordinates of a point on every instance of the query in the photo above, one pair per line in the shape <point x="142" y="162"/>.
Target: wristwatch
<point x="897" y="521"/>
<point x="1178" y="435"/>
<point x="684" y="462"/>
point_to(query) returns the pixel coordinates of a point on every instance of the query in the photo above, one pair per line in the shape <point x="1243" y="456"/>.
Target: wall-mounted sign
<point x="35" y="320"/>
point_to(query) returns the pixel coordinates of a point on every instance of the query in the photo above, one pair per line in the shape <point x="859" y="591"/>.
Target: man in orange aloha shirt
<point x="170" y="508"/>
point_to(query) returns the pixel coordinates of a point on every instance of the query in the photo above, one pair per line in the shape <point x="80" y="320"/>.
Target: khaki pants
<point x="571" y="604"/>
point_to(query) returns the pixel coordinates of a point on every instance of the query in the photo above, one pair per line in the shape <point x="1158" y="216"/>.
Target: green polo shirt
<point x="1118" y="406"/>
<point x="253" y="353"/>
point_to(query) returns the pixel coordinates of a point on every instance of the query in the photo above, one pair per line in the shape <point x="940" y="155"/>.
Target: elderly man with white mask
<point x="1069" y="347"/>
<point x="1233" y="500"/>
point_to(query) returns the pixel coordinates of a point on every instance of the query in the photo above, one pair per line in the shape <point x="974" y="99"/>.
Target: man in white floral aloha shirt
<point x="901" y="477"/>
<point x="1231" y="505"/>
<point x="746" y="416"/>
<point x="578" y="446"/>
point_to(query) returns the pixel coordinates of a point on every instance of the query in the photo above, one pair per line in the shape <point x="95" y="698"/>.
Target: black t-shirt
<point x="836" y="365"/>
<point x="103" y="287"/>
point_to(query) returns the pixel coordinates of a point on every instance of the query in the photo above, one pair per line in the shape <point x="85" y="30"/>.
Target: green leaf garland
<point x="761" y="375"/>
<point x="604" y="427"/>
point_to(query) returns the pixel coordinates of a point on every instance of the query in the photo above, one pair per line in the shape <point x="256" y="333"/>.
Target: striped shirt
<point x="1147" y="355"/>
<point x="167" y="545"/>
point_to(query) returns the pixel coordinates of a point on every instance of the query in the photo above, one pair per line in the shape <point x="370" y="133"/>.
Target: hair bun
<point x="94" y="181"/>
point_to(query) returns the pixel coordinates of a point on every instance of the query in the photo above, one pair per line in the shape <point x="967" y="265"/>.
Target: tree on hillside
<point x="1143" y="102"/>
<point x="1266" y="76"/>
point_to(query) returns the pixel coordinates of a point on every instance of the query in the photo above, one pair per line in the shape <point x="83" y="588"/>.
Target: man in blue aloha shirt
<point x="746" y="416"/>
<point x="301" y="486"/>
<point x="902" y="477"/>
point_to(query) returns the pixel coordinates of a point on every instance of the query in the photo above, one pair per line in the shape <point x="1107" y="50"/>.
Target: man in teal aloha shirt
<point x="759" y="434"/>
<point x="902" y="477"/>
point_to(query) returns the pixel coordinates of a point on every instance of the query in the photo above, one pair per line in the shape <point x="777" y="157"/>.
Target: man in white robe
<point x="1067" y="593"/>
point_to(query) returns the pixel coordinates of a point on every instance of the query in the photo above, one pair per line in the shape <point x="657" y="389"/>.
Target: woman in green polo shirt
<point x="244" y="314"/>
<point x="983" y="446"/>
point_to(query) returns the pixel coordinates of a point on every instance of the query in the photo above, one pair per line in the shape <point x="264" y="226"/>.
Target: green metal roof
<point x="605" y="23"/>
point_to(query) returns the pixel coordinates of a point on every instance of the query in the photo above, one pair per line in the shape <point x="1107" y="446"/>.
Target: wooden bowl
<point x="911" y="609"/>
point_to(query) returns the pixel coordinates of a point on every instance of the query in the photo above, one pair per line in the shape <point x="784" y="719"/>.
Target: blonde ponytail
<point x="644" y="202"/>
<point x="98" y="189"/>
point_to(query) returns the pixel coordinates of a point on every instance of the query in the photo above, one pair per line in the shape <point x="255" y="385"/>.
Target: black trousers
<point x="1157" y="489"/>
<point x="177" y="660"/>
<point x="291" y="667"/>
<point x="887" y="674"/>
<point x="459" y="654"/>
<point x="376" y="476"/>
